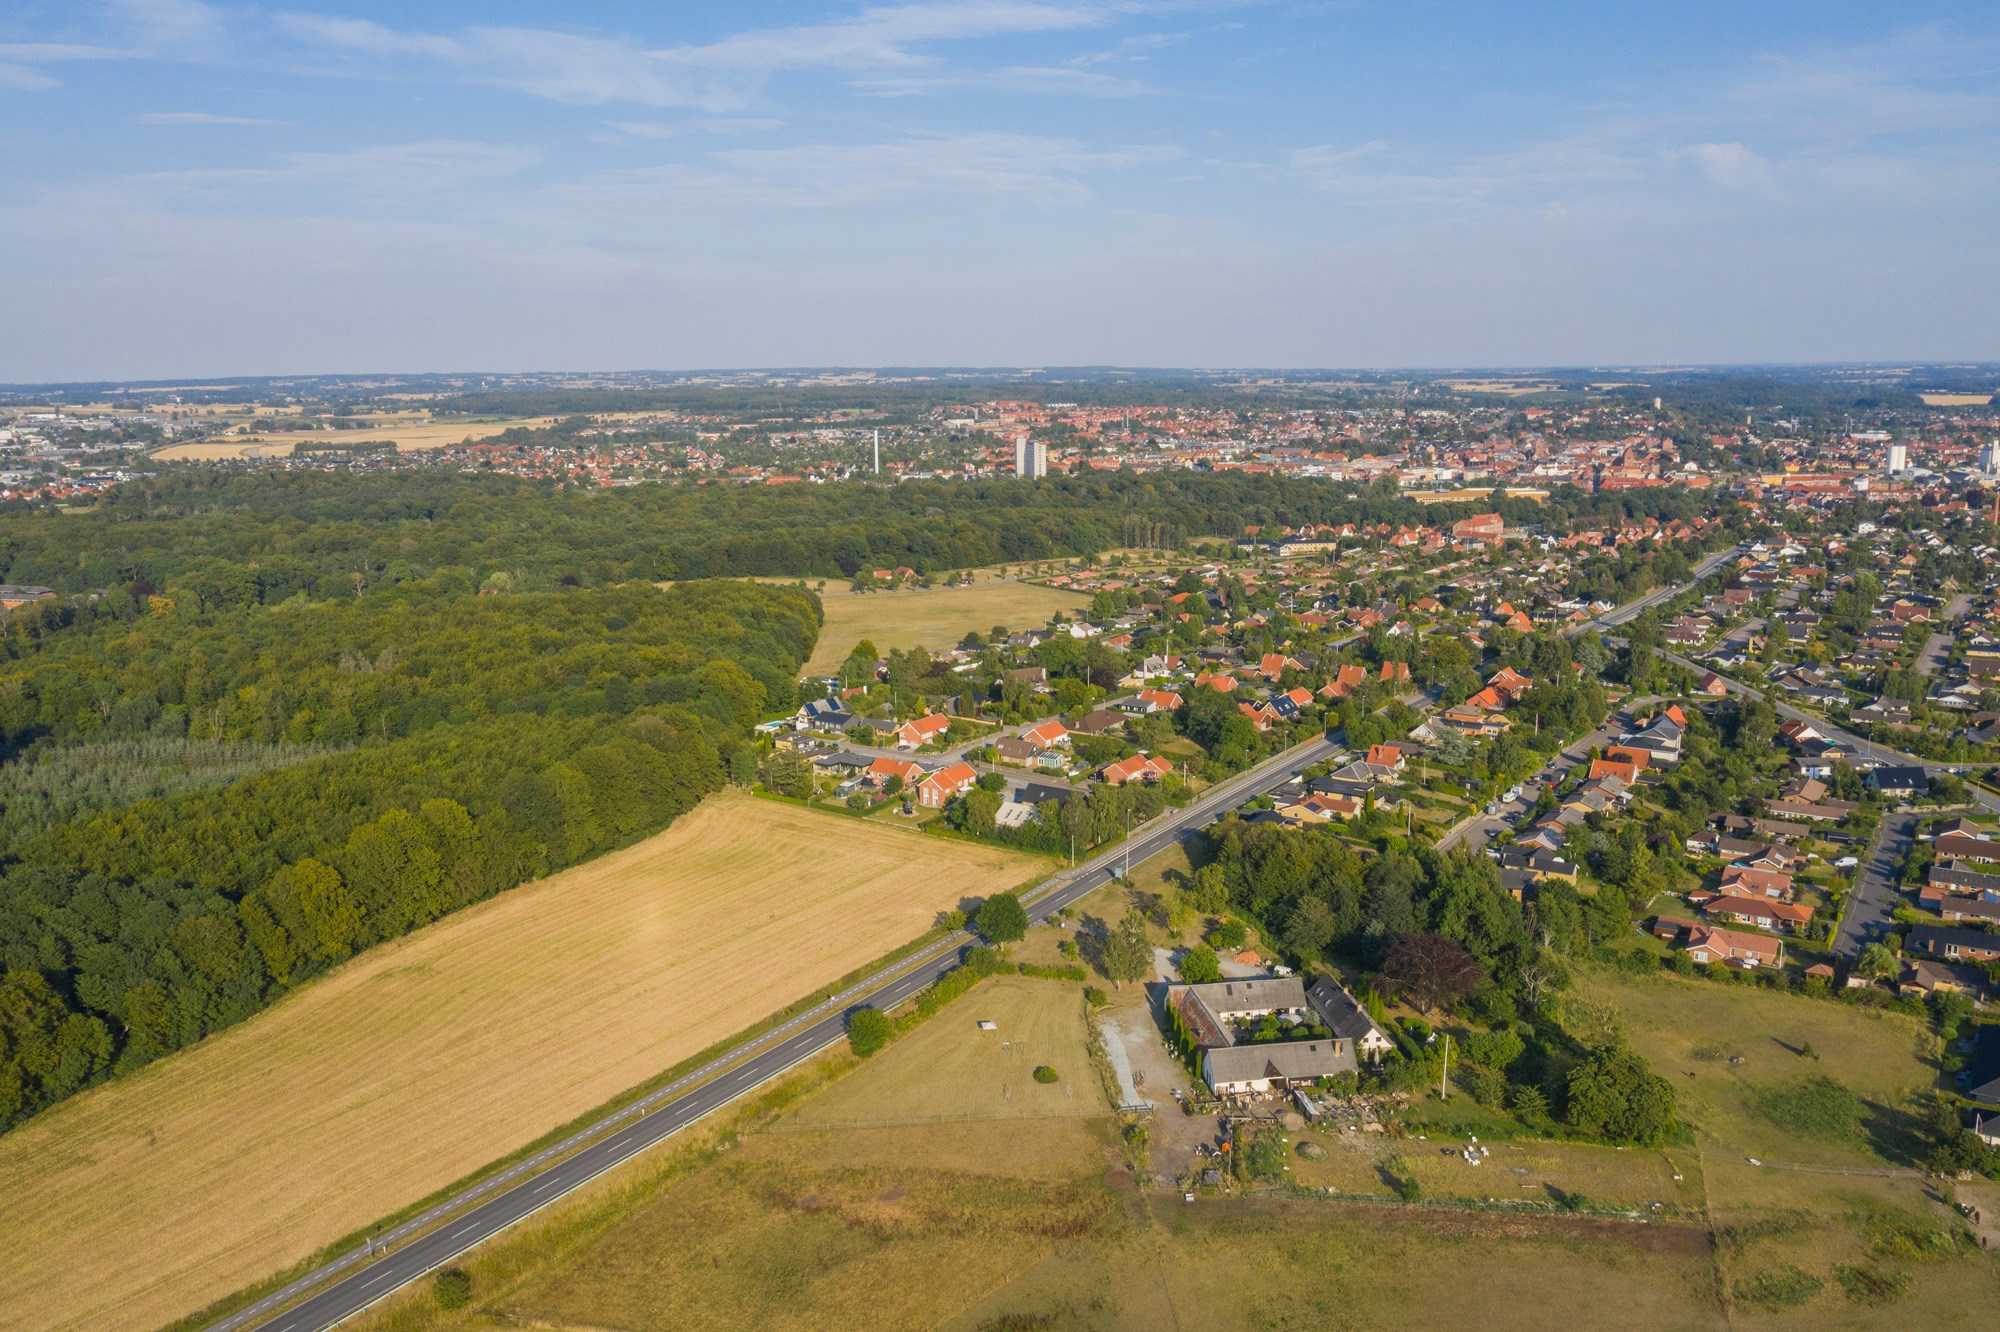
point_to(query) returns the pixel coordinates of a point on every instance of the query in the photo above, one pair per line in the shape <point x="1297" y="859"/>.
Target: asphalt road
<point x="526" y="1188"/>
<point x="1631" y="610"/>
<point x="1876" y="890"/>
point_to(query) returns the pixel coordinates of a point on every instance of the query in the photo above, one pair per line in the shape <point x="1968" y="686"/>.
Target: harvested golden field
<point x="426" y="1058"/>
<point x="416" y="434"/>
<point x="934" y="618"/>
<point x="1956" y="399"/>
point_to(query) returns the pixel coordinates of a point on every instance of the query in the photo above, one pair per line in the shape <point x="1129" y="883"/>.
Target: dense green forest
<point x="232" y="538"/>
<point x="217" y="800"/>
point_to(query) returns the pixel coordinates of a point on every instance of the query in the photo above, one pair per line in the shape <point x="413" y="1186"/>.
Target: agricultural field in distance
<point x="409" y="431"/>
<point x="428" y="1057"/>
<point x="934" y="618"/>
<point x="1956" y="399"/>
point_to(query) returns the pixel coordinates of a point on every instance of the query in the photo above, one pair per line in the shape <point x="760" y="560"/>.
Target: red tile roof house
<point x="1386" y="756"/>
<point x="878" y="773"/>
<point x="1046" y="735"/>
<point x="922" y="731"/>
<point x="1345" y="681"/>
<point x="1275" y="664"/>
<point x="1752" y="882"/>
<point x="1709" y="943"/>
<point x="1159" y="700"/>
<point x="1784" y="917"/>
<point x="1221" y="684"/>
<point x="1138" y="768"/>
<point x="936" y="790"/>
<point x="1260" y="714"/>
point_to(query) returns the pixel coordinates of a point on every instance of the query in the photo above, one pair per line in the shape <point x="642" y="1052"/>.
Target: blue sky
<point x="211" y="188"/>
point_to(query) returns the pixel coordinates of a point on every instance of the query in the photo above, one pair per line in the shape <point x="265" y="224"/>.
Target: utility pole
<point x="878" y="453"/>
<point x="1128" y="844"/>
<point x="1444" y="1079"/>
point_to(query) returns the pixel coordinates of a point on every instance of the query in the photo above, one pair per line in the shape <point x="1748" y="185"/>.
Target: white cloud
<point x="39" y="52"/>
<point x="20" y="78"/>
<point x="1730" y="165"/>
<point x="946" y="168"/>
<point x="883" y="35"/>
<point x="19" y="62"/>
<point x="643" y="129"/>
<point x="739" y="124"/>
<point x="207" y="118"/>
<point x="171" y="22"/>
<point x="594" y="70"/>
<point x="1040" y="79"/>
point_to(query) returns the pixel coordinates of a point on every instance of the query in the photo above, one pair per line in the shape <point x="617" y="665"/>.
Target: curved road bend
<point x="529" y="1186"/>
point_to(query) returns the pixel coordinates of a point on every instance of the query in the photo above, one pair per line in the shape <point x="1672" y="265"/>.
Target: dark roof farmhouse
<point x="1211" y="1014"/>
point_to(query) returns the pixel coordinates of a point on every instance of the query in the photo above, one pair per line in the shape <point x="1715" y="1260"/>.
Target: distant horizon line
<point x="212" y="382"/>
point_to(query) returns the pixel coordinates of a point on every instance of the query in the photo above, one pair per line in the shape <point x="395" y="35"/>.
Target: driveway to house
<point x="1876" y="891"/>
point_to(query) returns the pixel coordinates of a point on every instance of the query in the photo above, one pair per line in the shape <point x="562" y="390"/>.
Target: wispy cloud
<point x="171" y="23"/>
<point x="1730" y="165"/>
<point x="807" y="176"/>
<point x="20" y="62"/>
<point x="596" y="70"/>
<point x="208" y="118"/>
<point x="1070" y="80"/>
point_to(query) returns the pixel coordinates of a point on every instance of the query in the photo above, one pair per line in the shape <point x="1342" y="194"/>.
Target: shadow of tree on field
<point x="1092" y="937"/>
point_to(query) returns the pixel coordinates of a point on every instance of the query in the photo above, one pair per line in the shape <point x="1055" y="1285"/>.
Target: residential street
<point x="1876" y="891"/>
<point x="1480" y="828"/>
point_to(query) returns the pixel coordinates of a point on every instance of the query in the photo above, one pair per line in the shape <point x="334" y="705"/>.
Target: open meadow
<point x="940" y="1073"/>
<point x="412" y="432"/>
<point x="426" y="1058"/>
<point x="1807" y="1201"/>
<point x="934" y="618"/>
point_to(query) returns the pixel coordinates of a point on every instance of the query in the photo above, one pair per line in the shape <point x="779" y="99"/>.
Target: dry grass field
<point x="949" y="1070"/>
<point x="1812" y="1202"/>
<point x="414" y="433"/>
<point x="1956" y="399"/>
<point x="429" y="1057"/>
<point x="934" y="618"/>
<point x="1725" y="1047"/>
